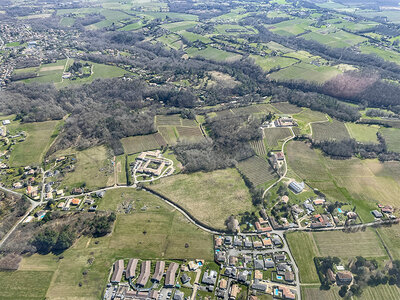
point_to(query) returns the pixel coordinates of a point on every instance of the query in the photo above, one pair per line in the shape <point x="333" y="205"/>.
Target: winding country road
<point x="284" y="161"/>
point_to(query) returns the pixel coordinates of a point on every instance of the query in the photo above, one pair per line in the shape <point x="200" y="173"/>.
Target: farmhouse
<point x="170" y="276"/>
<point x="387" y="209"/>
<point x="331" y="276"/>
<point x="131" y="268"/>
<point x="144" y="273"/>
<point x="260" y="229"/>
<point x="285" y="121"/>
<point x="344" y="278"/>
<point x="118" y="270"/>
<point x="159" y="271"/>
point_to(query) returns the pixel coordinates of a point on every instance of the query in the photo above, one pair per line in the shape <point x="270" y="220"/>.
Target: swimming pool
<point x="279" y="277"/>
<point x="276" y="292"/>
<point x="339" y="210"/>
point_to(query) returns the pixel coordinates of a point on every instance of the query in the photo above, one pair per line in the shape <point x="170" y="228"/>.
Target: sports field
<point x="304" y="250"/>
<point x="210" y="197"/>
<point x="257" y="170"/>
<point x="158" y="232"/>
<point x="32" y="150"/>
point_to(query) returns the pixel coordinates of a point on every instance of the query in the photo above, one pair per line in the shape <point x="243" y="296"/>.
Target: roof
<point x="170" y="276"/>
<point x="289" y="276"/>
<point x="258" y="275"/>
<point x="377" y="214"/>
<point x="319" y="201"/>
<point x="118" y="270"/>
<point x="223" y="284"/>
<point x="144" y="273"/>
<point x="131" y="268"/>
<point x="344" y="275"/>
<point x="159" y="271"/>
<point x="234" y="291"/>
<point x="75" y="201"/>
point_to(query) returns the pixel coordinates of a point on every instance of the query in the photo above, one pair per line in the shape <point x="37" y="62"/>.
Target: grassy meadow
<point x="304" y="249"/>
<point x="157" y="233"/>
<point x="363" y="183"/>
<point x="93" y="168"/>
<point x="38" y="140"/>
<point x="210" y="197"/>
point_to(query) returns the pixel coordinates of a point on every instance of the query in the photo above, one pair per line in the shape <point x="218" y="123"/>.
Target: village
<point x="244" y="264"/>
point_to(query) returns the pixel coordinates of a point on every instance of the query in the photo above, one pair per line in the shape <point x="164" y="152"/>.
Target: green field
<point x="392" y="138"/>
<point x="384" y="53"/>
<point x="337" y="39"/>
<point x="24" y="284"/>
<point x="213" y="54"/>
<point x="334" y="130"/>
<point x="140" y="143"/>
<point x="363" y="133"/>
<point x="32" y="150"/>
<point x="303" y="249"/>
<point x="391" y="238"/>
<point x="210" y="197"/>
<point x="343" y="245"/>
<point x="52" y="73"/>
<point x="363" y="183"/>
<point x="178" y="26"/>
<point x="306" y="71"/>
<point x="93" y="168"/>
<point x="291" y="27"/>
<point x="159" y="232"/>
<point x="257" y="170"/>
